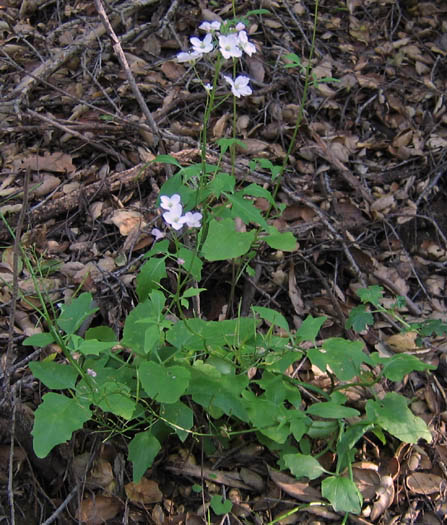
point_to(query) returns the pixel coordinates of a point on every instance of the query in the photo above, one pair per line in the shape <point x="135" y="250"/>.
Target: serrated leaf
<point x="142" y="451"/>
<point x="55" y="420"/>
<point x="398" y="366"/>
<point x="359" y="318"/>
<point x="309" y="328"/>
<point x="246" y="210"/>
<point x="372" y="294"/>
<point x="164" y="384"/>
<point x="180" y="416"/>
<point x="54" y="375"/>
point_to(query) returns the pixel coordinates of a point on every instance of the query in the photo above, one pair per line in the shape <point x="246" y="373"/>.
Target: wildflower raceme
<point x="231" y="41"/>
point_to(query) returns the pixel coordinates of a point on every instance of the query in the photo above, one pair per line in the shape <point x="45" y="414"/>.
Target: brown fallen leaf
<point x="56" y="162"/>
<point x="404" y="342"/>
<point x="96" y="510"/>
<point x="146" y="491"/>
<point x="385" y="496"/>
<point x="127" y="221"/>
<point x="425" y="483"/>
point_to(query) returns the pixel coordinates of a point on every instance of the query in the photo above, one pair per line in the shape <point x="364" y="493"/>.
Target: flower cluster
<point x="232" y="43"/>
<point x="173" y="215"/>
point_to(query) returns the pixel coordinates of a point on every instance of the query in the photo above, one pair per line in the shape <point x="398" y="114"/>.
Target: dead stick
<point x="124" y="64"/>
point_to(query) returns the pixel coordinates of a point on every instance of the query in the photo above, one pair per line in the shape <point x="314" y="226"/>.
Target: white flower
<point x="191" y="56"/>
<point x="210" y="26"/>
<point x="202" y="46"/>
<point x="180" y="261"/>
<point x="192" y="220"/>
<point x="229" y="46"/>
<point x="174" y="218"/>
<point x="245" y="44"/>
<point x="240" y="26"/>
<point x="239" y="87"/>
<point x="171" y="203"/>
<point x="208" y="87"/>
<point x="91" y="372"/>
<point x="157" y="234"/>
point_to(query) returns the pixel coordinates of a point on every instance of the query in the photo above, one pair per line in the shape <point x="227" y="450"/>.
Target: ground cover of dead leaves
<point x="366" y="198"/>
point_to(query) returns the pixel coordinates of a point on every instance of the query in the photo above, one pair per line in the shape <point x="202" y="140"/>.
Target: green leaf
<point x="174" y="185"/>
<point x="398" y="366"/>
<point x="258" y="191"/>
<point x="272" y="316"/>
<point x="193" y="292"/>
<point x="222" y="182"/>
<point x="275" y="170"/>
<point x="100" y="333"/>
<point x="193" y="264"/>
<point x="54" y="375"/>
<point x="342" y="494"/>
<point x="342" y="356"/>
<point x="372" y="294"/>
<point x="55" y="420"/>
<point x="142" y="451"/>
<point x="394" y="416"/>
<point x="303" y="466"/>
<point x="359" y="318"/>
<point x="220" y="506"/>
<point x="180" y="416"/>
<point x="331" y="410"/>
<point x="43" y="339"/>
<point x="164" y="384"/>
<point x="225" y="143"/>
<point x="246" y="210"/>
<point x="167" y="159"/>
<point x="94" y="347"/>
<point x="309" y="328"/>
<point x="282" y="241"/>
<point x="150" y="276"/>
<point x="115" y="398"/>
<point x="73" y="314"/>
<point x="224" y="242"/>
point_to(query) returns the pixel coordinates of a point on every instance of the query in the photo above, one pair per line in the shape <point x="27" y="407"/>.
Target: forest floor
<point x="365" y="195"/>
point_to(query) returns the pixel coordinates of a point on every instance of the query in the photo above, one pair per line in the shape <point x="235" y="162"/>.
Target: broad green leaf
<point x="359" y="318"/>
<point x="284" y="241"/>
<point x="273" y="386"/>
<point x="309" y="328"/>
<point x="145" y="315"/>
<point x="101" y="333"/>
<point x="42" y="339"/>
<point x="225" y="143"/>
<point x="192" y="264"/>
<point x="142" y="451"/>
<point x="221" y="182"/>
<point x="322" y="429"/>
<point x="193" y="292"/>
<point x="331" y="410"/>
<point x="73" y="314"/>
<point x="303" y="466"/>
<point x="398" y="366"/>
<point x="220" y="506"/>
<point x="342" y="494"/>
<point x="246" y="210"/>
<point x="347" y="442"/>
<point x="372" y="294"/>
<point x="55" y="420"/>
<point x="258" y="191"/>
<point x="174" y="185"/>
<point x="224" y="242"/>
<point x="394" y="416"/>
<point x="180" y="416"/>
<point x="150" y="276"/>
<point x="272" y="316"/>
<point x="54" y="375"/>
<point x="164" y="384"/>
<point x="94" y="347"/>
<point x="299" y="423"/>
<point x="342" y="356"/>
<point x="115" y="398"/>
<point x="269" y="419"/>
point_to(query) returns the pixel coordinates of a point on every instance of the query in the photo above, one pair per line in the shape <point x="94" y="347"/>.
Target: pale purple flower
<point x="180" y="261"/>
<point x="190" y="56"/>
<point x="158" y="234"/>
<point x="192" y="220"/>
<point x="247" y="46"/>
<point x="210" y="26"/>
<point x="240" y="26"/>
<point x="174" y="218"/>
<point x="229" y="46"/>
<point x="171" y="203"/>
<point x="91" y="372"/>
<point x="239" y="86"/>
<point x="202" y="46"/>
